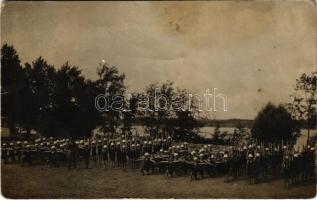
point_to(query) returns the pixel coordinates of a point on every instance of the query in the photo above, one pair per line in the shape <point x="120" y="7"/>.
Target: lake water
<point x="208" y="131"/>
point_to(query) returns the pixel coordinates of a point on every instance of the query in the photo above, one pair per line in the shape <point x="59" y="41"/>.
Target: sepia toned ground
<point x="44" y="182"/>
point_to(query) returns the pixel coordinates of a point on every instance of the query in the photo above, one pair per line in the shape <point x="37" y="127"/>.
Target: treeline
<point x="244" y="123"/>
<point x="276" y="123"/>
<point x="61" y="101"/>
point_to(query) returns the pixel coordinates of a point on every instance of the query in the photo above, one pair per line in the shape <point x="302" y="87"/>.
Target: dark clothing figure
<point x="27" y="157"/>
<point x="72" y="155"/>
<point x="4" y="155"/>
<point x="105" y="155"/>
<point x="86" y="154"/>
<point x="11" y="155"/>
<point x="99" y="153"/>
<point x="94" y="153"/>
<point x="52" y="160"/>
<point x="286" y="172"/>
<point x="18" y="153"/>
<point x="123" y="158"/>
<point x="112" y="155"/>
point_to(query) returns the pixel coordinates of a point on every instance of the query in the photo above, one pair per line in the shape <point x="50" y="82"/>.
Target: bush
<point x="273" y="124"/>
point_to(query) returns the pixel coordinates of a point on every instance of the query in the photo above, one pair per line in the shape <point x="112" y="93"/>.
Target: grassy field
<point x="44" y="182"/>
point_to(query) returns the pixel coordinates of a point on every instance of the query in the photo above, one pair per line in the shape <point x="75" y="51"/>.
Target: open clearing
<point x="45" y="182"/>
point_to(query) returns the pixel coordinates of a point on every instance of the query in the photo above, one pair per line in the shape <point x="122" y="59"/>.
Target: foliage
<point x="60" y="101"/>
<point x="12" y="84"/>
<point x="216" y="136"/>
<point x="53" y="102"/>
<point x="273" y="124"/>
<point x="303" y="107"/>
<point x="111" y="82"/>
<point x="163" y="111"/>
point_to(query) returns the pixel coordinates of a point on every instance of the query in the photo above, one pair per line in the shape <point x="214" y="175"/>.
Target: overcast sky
<point x="252" y="51"/>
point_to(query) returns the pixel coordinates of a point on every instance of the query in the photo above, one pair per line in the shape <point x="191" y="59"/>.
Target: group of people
<point x="294" y="165"/>
<point x="256" y="161"/>
<point x="163" y="155"/>
<point x="299" y="165"/>
<point x="103" y="152"/>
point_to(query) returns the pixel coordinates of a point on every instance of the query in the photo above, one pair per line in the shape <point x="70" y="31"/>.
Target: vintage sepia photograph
<point x="158" y="99"/>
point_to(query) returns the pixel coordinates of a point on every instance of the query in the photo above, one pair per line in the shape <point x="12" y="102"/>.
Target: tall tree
<point x="303" y="107"/>
<point x="42" y="83"/>
<point x="185" y="122"/>
<point x="111" y="82"/>
<point x="29" y="105"/>
<point x="89" y="117"/>
<point x="158" y="112"/>
<point x="73" y="102"/>
<point x="12" y="83"/>
<point x="168" y="113"/>
<point x="273" y="124"/>
<point x="130" y="113"/>
<point x="216" y="136"/>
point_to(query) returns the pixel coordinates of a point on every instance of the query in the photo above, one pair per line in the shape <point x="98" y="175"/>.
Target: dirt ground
<point x="44" y="182"/>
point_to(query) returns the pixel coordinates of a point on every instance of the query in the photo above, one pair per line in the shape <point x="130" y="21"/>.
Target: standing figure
<point x="86" y="154"/>
<point x="123" y="156"/>
<point x="11" y="153"/>
<point x="52" y="157"/>
<point x="99" y="153"/>
<point x="112" y="154"/>
<point x="250" y="168"/>
<point x="105" y="155"/>
<point x="117" y="154"/>
<point x="286" y="171"/>
<point x="4" y="155"/>
<point x="18" y="151"/>
<point x="93" y="152"/>
<point x="71" y="155"/>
